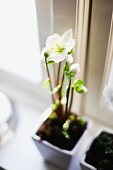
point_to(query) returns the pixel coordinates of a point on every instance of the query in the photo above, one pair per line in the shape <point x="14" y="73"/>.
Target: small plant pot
<point x="54" y="154"/>
<point x="83" y="163"/>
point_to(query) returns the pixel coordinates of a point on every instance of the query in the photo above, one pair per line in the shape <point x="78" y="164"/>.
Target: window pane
<point x="19" y="46"/>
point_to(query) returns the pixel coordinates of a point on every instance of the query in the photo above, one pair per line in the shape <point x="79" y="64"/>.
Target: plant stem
<point x="71" y="100"/>
<point x="60" y="91"/>
<point x="49" y="79"/>
<point x="54" y="73"/>
<point x="67" y="96"/>
<point x="58" y="74"/>
<point x="62" y="81"/>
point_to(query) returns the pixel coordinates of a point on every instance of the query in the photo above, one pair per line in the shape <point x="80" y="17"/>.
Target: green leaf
<point x="66" y="125"/>
<point x="56" y="89"/>
<point x="67" y="67"/>
<point x="78" y="85"/>
<point x="56" y="105"/>
<point x="67" y="72"/>
<point x="108" y="150"/>
<point x="79" y="89"/>
<point x="66" y="134"/>
<point x="46" y="83"/>
<point x="69" y="75"/>
<point x="72" y="117"/>
<point x="51" y="62"/>
<point x="81" y="120"/>
<point x="71" y="52"/>
<point x="53" y="115"/>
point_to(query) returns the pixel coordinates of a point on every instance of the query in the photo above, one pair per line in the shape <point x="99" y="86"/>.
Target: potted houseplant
<point x="99" y="155"/>
<point x="58" y="131"/>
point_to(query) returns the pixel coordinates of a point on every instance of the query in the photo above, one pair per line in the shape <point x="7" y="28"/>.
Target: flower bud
<point x="75" y="68"/>
<point x="84" y="89"/>
<point x="69" y="59"/>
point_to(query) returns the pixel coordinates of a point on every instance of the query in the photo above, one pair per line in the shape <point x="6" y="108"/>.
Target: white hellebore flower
<point x="108" y="94"/>
<point x="75" y="68"/>
<point x="58" y="47"/>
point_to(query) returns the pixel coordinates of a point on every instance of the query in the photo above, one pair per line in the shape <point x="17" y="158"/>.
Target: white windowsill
<point x="31" y="158"/>
<point x="23" y="91"/>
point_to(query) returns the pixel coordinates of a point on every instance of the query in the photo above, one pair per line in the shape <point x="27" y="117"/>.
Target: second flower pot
<point x="99" y="151"/>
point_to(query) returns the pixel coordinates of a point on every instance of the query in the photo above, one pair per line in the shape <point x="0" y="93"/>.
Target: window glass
<point x="19" y="46"/>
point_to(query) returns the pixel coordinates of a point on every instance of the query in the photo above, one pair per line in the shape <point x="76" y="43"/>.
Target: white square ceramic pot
<point x="51" y="153"/>
<point x="85" y="165"/>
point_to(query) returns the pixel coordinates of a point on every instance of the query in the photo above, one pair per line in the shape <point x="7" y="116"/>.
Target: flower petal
<point x="69" y="59"/>
<point x="51" y="40"/>
<point x="70" y="45"/>
<point x="56" y="57"/>
<point x="67" y="36"/>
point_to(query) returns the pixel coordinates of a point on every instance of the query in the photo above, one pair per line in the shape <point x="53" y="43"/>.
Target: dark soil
<point x="51" y="131"/>
<point x="100" y="154"/>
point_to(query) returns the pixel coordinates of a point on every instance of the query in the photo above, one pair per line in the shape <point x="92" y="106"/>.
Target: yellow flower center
<point x="60" y="48"/>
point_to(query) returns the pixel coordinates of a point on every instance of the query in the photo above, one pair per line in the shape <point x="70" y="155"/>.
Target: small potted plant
<point x="99" y="155"/>
<point x="59" y="130"/>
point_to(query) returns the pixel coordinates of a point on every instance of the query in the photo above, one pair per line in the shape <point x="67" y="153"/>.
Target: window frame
<point x="106" y="74"/>
<point x="102" y="114"/>
<point x="82" y="31"/>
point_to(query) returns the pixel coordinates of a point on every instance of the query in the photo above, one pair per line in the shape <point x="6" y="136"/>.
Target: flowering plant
<point x="59" y="52"/>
